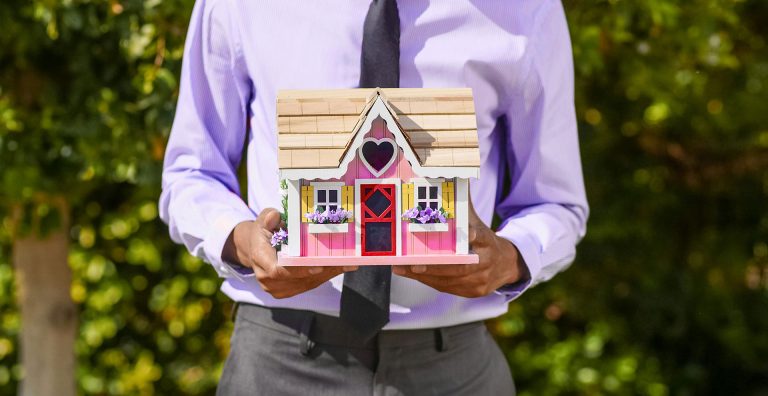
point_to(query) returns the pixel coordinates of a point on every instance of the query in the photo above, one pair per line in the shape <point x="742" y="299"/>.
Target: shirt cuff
<point x="529" y="250"/>
<point x="217" y="237"/>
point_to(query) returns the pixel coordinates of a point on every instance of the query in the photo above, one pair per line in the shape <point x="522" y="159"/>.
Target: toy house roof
<point x="316" y="128"/>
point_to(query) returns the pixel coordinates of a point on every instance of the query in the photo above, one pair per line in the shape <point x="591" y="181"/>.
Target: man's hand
<point x="249" y="245"/>
<point x="500" y="264"/>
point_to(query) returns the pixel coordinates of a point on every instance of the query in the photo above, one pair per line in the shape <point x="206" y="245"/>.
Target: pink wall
<point x="339" y="244"/>
<point x="429" y="242"/>
<point x="336" y="244"/>
<point x="400" y="169"/>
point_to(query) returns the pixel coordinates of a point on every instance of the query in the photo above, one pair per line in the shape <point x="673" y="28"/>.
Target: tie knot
<point x="380" y="55"/>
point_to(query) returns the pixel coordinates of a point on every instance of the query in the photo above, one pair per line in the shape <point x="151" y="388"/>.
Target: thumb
<point x="270" y="219"/>
<point x="478" y="231"/>
<point x="479" y="234"/>
<point x="473" y="219"/>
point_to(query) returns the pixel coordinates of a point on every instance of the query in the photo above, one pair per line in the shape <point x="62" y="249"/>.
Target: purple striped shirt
<point x="516" y="56"/>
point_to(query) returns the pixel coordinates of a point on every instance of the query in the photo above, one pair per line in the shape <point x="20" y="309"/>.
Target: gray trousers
<point x="294" y="352"/>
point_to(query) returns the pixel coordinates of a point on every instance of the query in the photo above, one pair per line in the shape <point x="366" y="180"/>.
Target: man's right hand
<point x="250" y="245"/>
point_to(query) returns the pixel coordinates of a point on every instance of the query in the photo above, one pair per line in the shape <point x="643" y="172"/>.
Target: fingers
<point x="437" y="282"/>
<point x="263" y="255"/>
<point x="281" y="273"/>
<point x="283" y="285"/>
<point x="280" y="281"/>
<point x="472" y="285"/>
<point x="448" y="270"/>
<point x="308" y="272"/>
<point x="269" y="219"/>
<point x="479" y="233"/>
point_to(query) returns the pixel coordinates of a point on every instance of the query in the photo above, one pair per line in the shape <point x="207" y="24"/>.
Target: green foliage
<point x="669" y="293"/>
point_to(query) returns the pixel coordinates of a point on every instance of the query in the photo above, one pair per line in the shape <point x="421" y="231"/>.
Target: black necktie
<point x="365" y="296"/>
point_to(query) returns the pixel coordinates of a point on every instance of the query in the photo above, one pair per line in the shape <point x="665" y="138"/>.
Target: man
<point x="293" y="332"/>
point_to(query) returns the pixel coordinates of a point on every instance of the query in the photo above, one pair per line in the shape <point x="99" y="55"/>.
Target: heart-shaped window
<point x="377" y="155"/>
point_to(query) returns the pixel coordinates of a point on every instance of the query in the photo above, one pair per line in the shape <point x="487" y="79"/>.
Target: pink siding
<point x="323" y="244"/>
<point x="332" y="244"/>
<point x="406" y="240"/>
<point x="343" y="244"/>
<point x="349" y="241"/>
<point x="419" y="245"/>
<point x="430" y="242"/>
<point x="448" y="239"/>
<point x="433" y="242"/>
<point x="400" y="169"/>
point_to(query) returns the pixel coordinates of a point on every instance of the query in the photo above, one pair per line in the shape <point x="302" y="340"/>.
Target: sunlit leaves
<point x="666" y="295"/>
<point x="670" y="290"/>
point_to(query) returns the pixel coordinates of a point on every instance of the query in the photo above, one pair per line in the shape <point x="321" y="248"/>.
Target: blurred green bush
<point x="669" y="294"/>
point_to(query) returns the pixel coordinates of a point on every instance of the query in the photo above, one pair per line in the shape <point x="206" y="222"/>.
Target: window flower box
<point x="327" y="228"/>
<point x="428" y="227"/>
<point x="417" y="215"/>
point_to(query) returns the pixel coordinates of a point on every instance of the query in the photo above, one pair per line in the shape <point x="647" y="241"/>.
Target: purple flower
<point x="425" y="216"/>
<point x="411" y="214"/>
<point x="333" y="217"/>
<point x="329" y="216"/>
<point x="279" y="238"/>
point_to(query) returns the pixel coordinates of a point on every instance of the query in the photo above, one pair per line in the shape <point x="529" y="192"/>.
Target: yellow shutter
<point x="307" y="201"/>
<point x="407" y="193"/>
<point x="448" y="201"/>
<point x="348" y="199"/>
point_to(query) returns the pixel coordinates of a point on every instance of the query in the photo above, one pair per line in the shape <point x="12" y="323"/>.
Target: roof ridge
<point x="318" y="127"/>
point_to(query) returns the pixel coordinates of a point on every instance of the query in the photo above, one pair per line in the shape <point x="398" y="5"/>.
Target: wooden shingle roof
<point x="315" y="127"/>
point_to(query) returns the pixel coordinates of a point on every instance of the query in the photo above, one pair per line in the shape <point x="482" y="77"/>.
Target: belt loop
<point x="442" y="343"/>
<point x="305" y="343"/>
<point x="235" y="307"/>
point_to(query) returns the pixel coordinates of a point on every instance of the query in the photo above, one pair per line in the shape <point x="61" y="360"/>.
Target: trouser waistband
<point x="315" y="328"/>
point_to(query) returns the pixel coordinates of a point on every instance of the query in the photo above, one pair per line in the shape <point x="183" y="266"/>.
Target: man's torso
<point x="316" y="45"/>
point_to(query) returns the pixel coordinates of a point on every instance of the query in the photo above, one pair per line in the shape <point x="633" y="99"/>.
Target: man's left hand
<point x="500" y="264"/>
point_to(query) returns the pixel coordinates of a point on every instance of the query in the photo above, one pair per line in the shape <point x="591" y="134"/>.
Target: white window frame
<point x="428" y="182"/>
<point x="327" y="186"/>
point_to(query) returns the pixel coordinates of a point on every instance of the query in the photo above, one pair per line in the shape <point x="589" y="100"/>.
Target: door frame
<point x="388" y="216"/>
<point x="358" y="214"/>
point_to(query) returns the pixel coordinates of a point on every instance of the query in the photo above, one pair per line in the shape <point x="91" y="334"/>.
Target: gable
<point x="436" y="128"/>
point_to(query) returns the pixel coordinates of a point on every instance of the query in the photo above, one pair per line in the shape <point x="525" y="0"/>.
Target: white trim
<point x="334" y="173"/>
<point x="379" y="109"/>
<point x="358" y="217"/>
<point x="430" y="227"/>
<point x="327" y="186"/>
<point x="327" y="228"/>
<point x="426" y="182"/>
<point x="461" y="212"/>
<point x="294" y="218"/>
<point x="374" y="172"/>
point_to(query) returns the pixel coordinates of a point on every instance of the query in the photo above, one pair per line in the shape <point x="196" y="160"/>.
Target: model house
<point x="377" y="176"/>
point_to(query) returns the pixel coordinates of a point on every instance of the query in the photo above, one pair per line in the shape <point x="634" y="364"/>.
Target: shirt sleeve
<point x="200" y="199"/>
<point x="545" y="213"/>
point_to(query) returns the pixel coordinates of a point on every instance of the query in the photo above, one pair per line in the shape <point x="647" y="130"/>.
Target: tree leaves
<point x="668" y="294"/>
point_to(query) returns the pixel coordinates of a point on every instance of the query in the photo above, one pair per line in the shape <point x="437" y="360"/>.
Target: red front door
<point x="377" y="226"/>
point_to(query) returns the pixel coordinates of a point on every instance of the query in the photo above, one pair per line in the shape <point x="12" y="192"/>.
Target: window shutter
<point x="348" y="199"/>
<point x="408" y="198"/>
<point x="307" y="202"/>
<point x="448" y="201"/>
